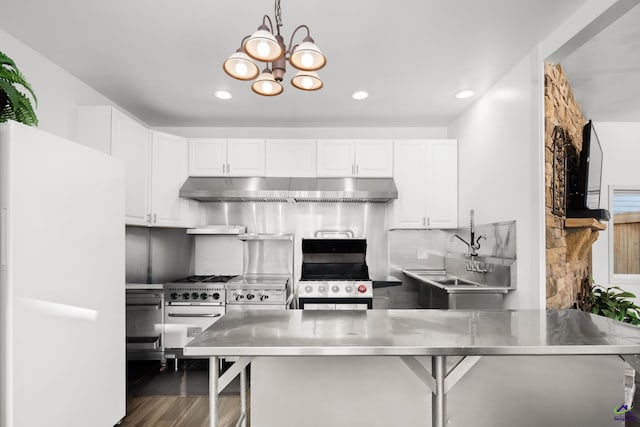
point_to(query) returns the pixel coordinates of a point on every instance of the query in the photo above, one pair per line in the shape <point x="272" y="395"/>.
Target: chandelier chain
<point x="278" y="13"/>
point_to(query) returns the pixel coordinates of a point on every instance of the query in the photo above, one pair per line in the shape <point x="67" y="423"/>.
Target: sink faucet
<point x="473" y="244"/>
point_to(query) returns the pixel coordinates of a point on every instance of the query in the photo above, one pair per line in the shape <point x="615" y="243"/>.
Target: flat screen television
<point x="583" y="194"/>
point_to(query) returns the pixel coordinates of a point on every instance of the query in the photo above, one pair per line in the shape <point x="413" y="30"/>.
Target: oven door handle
<point x="193" y="315"/>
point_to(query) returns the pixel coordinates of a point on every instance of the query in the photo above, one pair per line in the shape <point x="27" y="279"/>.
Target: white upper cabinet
<point x="374" y="158"/>
<point x="426" y="174"/>
<point x="357" y="158"/>
<point x="226" y="157"/>
<point x="245" y="157"/>
<point x="108" y="130"/>
<point x="291" y="157"/>
<point x="169" y="171"/>
<point x="207" y="157"/>
<point x="442" y="176"/>
<point x="155" y="165"/>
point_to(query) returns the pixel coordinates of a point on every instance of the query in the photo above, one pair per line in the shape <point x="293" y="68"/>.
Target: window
<point x="624" y="234"/>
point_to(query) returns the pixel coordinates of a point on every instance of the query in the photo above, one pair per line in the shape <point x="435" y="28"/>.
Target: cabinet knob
<point x="224" y="169"/>
<point x="228" y="169"/>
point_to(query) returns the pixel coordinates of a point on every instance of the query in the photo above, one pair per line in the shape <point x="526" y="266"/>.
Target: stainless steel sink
<point x="457" y="282"/>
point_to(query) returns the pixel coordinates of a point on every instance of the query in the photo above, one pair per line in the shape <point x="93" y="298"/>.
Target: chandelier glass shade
<point x="307" y="80"/>
<point x="267" y="85"/>
<point x="241" y="67"/>
<point x="267" y="45"/>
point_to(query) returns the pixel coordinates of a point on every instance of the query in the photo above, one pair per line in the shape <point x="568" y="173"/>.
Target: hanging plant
<point x="14" y="103"/>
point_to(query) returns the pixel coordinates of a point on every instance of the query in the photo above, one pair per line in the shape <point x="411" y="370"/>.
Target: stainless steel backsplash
<point x="303" y="220"/>
<point x="158" y="255"/>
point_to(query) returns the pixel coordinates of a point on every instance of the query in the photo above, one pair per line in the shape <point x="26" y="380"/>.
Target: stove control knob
<point x="335" y="288"/>
<point x="174" y="295"/>
<point x="195" y="295"/>
<point x="238" y="296"/>
<point x="215" y="295"/>
<point x="308" y="289"/>
<point x="349" y="289"/>
<point x="362" y="289"/>
<point x="204" y="295"/>
<point x="185" y="295"/>
<point x="264" y="297"/>
<point x="250" y="296"/>
<point x="322" y="289"/>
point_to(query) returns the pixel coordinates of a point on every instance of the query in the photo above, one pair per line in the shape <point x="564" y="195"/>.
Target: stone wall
<point x="564" y="275"/>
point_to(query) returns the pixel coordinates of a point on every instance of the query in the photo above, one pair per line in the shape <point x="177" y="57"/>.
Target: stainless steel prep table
<point x="406" y="334"/>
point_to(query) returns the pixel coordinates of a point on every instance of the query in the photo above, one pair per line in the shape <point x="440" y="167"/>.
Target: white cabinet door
<point x="291" y="157"/>
<point x="108" y="130"/>
<point x="442" y="176"/>
<point x="410" y="175"/>
<point x="130" y="143"/>
<point x="245" y="157"/>
<point x="374" y="158"/>
<point x="169" y="171"/>
<point x="426" y="174"/>
<point x="336" y="157"/>
<point x="207" y="157"/>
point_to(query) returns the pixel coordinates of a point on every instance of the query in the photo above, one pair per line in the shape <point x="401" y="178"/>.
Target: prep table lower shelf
<point x="408" y="334"/>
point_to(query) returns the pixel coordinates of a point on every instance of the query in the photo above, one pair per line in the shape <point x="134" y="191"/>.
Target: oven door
<point x="144" y="324"/>
<point x="183" y="322"/>
<point x="335" y="303"/>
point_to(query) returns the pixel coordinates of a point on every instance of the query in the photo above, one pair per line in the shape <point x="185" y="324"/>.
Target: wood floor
<point x="184" y="411"/>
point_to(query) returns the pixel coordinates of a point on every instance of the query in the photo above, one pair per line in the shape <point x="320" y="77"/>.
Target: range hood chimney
<point x="259" y="189"/>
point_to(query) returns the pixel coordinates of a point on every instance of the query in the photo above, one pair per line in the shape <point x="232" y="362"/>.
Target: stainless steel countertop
<point x="414" y="332"/>
<point x="430" y="278"/>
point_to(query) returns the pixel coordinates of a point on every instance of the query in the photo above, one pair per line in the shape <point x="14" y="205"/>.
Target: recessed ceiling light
<point x="223" y="94"/>
<point x="360" y="95"/>
<point x="464" y="93"/>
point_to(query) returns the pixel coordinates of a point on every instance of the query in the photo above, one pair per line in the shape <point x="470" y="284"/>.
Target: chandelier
<point x="267" y="45"/>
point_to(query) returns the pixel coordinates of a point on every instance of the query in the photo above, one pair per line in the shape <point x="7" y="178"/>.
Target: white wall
<point x="620" y="143"/>
<point x="306" y="132"/>
<point x="500" y="170"/>
<point x="58" y="91"/>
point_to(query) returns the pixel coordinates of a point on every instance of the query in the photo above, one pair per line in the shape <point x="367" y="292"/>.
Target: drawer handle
<point x="153" y="306"/>
<point x="193" y="315"/>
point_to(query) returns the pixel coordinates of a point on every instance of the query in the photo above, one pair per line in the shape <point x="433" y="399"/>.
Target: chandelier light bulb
<point x="307" y="60"/>
<point x="267" y="87"/>
<point x="241" y="69"/>
<point x="307" y="83"/>
<point x="263" y="49"/>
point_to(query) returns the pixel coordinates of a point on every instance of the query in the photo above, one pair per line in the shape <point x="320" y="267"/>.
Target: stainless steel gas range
<point x="192" y="304"/>
<point x="251" y="292"/>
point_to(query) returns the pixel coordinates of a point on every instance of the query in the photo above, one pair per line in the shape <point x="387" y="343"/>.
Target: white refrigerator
<point x="62" y="293"/>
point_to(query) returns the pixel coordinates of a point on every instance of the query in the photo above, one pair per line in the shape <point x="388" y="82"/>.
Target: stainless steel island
<point x="407" y="335"/>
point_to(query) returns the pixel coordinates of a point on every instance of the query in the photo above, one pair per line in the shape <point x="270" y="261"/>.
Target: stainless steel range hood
<point x="380" y="190"/>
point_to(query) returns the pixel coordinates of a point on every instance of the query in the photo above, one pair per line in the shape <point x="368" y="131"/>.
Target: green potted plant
<point x="615" y="303"/>
<point x="14" y="102"/>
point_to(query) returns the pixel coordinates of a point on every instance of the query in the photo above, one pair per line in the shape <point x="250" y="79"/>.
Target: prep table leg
<point x="213" y="391"/>
<point x="243" y="396"/>
<point x="438" y="370"/>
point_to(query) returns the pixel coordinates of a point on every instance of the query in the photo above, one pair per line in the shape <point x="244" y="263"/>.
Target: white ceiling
<point x="162" y="60"/>
<point x="604" y="73"/>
